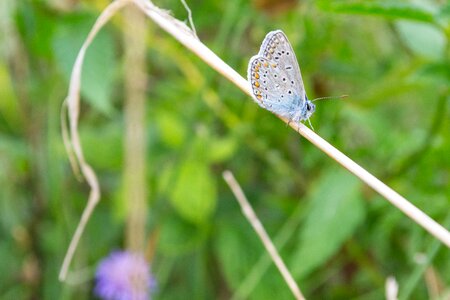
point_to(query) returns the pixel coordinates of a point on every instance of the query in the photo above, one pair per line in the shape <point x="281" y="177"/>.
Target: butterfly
<point x="276" y="81"/>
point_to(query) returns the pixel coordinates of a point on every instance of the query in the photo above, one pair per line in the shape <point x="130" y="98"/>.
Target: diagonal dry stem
<point x="249" y="213"/>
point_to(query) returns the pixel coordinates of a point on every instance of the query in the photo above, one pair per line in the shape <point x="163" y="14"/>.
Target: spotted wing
<point x="276" y="48"/>
<point x="275" y="76"/>
<point x="272" y="88"/>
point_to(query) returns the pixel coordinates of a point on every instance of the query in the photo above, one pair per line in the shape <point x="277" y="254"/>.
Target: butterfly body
<point x="276" y="80"/>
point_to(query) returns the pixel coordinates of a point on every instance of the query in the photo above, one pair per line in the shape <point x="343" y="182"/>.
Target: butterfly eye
<point x="308" y="107"/>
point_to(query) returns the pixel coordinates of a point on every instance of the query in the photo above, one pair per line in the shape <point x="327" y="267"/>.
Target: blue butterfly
<point x="276" y="80"/>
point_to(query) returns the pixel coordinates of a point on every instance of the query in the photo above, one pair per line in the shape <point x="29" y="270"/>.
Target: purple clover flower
<point x="124" y="275"/>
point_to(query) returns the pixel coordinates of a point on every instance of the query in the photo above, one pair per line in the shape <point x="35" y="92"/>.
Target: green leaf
<point x="194" y="191"/>
<point x="422" y="39"/>
<point x="335" y="213"/>
<point x="99" y="65"/>
<point x="387" y="9"/>
<point x="272" y="286"/>
<point x="237" y="248"/>
<point x="437" y="72"/>
<point x="107" y="155"/>
<point x="172" y="129"/>
<point x="178" y="237"/>
<point x="221" y="149"/>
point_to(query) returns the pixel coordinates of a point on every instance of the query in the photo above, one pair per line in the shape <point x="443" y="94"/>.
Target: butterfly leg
<point x="289" y="123"/>
<point x="310" y="125"/>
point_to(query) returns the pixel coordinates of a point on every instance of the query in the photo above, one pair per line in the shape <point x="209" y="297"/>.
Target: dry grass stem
<point x="249" y="213"/>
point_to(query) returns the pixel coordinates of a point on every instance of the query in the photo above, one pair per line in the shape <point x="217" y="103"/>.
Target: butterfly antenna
<point x="334" y="97"/>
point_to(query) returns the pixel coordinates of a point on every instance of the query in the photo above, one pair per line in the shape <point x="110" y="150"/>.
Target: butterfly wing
<point x="266" y="83"/>
<point x="276" y="48"/>
<point x="275" y="76"/>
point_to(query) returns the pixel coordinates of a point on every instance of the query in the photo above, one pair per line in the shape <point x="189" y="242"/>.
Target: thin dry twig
<point x="249" y="213"/>
<point x="186" y="37"/>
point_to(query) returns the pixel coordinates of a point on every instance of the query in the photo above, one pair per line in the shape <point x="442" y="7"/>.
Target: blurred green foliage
<point x="340" y="239"/>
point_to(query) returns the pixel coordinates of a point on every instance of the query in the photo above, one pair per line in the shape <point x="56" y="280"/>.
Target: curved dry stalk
<point x="186" y="37"/>
<point x="73" y="107"/>
<point x="250" y="214"/>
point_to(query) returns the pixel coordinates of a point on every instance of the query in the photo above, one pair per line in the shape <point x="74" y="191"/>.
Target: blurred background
<point x="339" y="238"/>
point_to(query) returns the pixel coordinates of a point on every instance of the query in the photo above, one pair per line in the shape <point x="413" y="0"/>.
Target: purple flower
<point x="124" y="275"/>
